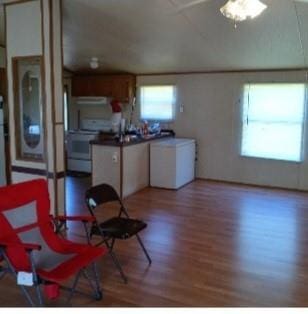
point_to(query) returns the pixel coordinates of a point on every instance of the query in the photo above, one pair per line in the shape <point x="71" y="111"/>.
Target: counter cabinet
<point x="125" y="167"/>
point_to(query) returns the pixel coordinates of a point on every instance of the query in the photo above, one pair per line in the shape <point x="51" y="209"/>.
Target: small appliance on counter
<point x="154" y="128"/>
<point x="78" y="143"/>
<point x="116" y="121"/>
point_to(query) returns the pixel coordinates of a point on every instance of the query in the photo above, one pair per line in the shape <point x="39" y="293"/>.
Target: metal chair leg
<point x="144" y="249"/>
<point x="95" y="285"/>
<point x="36" y="281"/>
<point x="73" y="288"/>
<point x="99" y="295"/>
<point x="87" y="232"/>
<point x="114" y="258"/>
<point x="3" y="271"/>
<point x="117" y="264"/>
<point x="14" y="273"/>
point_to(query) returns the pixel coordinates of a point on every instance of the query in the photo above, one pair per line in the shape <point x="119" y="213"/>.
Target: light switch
<point x="181" y="108"/>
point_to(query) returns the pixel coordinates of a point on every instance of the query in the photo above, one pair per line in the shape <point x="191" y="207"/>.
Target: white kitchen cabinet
<point x="124" y="166"/>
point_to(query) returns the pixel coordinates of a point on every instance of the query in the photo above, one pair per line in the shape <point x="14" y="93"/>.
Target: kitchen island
<point x="126" y="165"/>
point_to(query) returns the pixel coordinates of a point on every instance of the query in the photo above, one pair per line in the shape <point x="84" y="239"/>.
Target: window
<point x="273" y="116"/>
<point x="157" y="102"/>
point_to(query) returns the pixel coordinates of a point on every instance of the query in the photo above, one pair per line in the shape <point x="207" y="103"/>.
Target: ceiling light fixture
<point x="240" y="10"/>
<point x="94" y="63"/>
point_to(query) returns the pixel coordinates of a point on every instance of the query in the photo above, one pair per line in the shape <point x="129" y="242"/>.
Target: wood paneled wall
<point x="34" y="28"/>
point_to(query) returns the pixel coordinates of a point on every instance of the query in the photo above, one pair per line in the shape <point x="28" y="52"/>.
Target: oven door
<point x="78" y="146"/>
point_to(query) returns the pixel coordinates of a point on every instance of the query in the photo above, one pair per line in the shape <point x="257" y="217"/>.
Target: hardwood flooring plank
<point x="212" y="244"/>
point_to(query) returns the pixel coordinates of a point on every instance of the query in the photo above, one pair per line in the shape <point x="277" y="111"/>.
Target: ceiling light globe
<point x="240" y="10"/>
<point x="94" y="63"/>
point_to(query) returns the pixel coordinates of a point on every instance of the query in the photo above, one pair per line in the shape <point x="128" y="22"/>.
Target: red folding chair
<point x="34" y="253"/>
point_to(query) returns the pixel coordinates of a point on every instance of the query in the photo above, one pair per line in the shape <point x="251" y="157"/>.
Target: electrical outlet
<point x="181" y="108"/>
<point x="115" y="158"/>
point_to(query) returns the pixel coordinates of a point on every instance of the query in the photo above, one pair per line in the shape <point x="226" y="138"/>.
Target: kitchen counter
<point x="133" y="141"/>
<point x="125" y="166"/>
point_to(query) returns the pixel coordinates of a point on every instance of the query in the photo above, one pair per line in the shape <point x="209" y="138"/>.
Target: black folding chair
<point x="120" y="227"/>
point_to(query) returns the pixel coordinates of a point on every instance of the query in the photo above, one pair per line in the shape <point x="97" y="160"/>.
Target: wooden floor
<point x="212" y="244"/>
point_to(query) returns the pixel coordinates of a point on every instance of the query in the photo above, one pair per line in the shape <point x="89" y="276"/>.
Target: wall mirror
<point x="28" y="97"/>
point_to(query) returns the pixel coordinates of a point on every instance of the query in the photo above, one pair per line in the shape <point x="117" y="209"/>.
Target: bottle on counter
<point x="145" y="127"/>
<point x="122" y="126"/>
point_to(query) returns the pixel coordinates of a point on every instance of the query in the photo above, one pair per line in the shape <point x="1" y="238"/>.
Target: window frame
<point x="303" y="131"/>
<point x="174" y="104"/>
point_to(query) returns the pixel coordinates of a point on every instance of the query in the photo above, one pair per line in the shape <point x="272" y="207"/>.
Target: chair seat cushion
<point x="120" y="228"/>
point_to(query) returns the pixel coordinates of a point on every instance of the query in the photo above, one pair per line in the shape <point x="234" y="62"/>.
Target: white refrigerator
<point x="2" y="147"/>
<point x="172" y="162"/>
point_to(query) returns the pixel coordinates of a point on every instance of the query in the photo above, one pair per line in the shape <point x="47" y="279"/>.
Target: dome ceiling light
<point x="94" y="63"/>
<point x="236" y="10"/>
<point x="240" y="10"/>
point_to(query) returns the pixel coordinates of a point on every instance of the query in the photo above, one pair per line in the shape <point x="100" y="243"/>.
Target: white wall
<point x="212" y="116"/>
<point x="2" y="57"/>
<point x="23" y="35"/>
<point x="32" y="29"/>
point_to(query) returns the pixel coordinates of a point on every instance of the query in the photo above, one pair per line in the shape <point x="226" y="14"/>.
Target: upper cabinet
<point x="123" y="87"/>
<point x="81" y="86"/>
<point x="120" y="87"/>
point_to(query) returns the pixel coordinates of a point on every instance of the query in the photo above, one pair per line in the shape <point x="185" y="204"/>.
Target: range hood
<point x="92" y="100"/>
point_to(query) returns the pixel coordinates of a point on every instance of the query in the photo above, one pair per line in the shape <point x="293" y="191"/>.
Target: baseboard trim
<point x="274" y="187"/>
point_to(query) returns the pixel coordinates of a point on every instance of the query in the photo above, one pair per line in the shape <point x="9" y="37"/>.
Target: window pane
<point x="157" y="102"/>
<point x="273" y="121"/>
<point x="276" y="141"/>
<point x="275" y="102"/>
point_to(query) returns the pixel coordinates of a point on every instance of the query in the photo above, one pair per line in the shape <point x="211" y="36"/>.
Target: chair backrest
<point x="24" y="207"/>
<point x="24" y="218"/>
<point x="101" y="194"/>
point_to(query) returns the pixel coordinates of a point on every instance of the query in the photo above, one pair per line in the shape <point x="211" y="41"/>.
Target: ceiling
<point x="151" y="36"/>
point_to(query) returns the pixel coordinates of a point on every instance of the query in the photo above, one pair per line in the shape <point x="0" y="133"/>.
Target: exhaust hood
<point x="92" y="100"/>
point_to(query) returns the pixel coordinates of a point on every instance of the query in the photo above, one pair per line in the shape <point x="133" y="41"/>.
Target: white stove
<point x="78" y="144"/>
